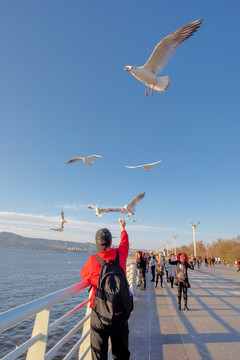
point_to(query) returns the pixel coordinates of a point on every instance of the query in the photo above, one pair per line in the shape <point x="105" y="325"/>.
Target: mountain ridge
<point x="10" y="240"/>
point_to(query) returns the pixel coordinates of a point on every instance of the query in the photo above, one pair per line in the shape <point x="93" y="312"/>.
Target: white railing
<point x="36" y="345"/>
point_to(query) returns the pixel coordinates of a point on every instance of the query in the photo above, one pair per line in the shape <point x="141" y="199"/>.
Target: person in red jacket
<point x="118" y="330"/>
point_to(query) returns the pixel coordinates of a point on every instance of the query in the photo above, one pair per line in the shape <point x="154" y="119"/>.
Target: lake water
<point x="27" y="275"/>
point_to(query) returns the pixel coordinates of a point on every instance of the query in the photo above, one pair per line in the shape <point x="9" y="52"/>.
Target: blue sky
<point x="64" y="93"/>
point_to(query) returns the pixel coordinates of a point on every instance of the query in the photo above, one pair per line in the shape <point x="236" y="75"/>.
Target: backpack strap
<point x="117" y="257"/>
<point x="103" y="262"/>
<point x="100" y="260"/>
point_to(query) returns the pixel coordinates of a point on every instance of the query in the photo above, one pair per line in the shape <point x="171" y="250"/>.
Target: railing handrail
<point x="41" y="308"/>
<point x="21" y="313"/>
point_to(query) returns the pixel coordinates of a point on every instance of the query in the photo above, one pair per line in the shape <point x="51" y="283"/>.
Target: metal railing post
<point x="86" y="343"/>
<point x="38" y="350"/>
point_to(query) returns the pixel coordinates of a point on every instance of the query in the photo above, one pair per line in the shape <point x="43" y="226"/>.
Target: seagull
<point x="134" y="220"/>
<point x="146" y="166"/>
<point x="128" y="209"/>
<point x="160" y="56"/>
<point x="87" y="160"/>
<point x="63" y="221"/>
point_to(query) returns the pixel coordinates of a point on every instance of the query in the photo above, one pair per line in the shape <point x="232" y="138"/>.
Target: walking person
<point x="182" y="265"/>
<point x="171" y="270"/>
<point x="206" y="261"/>
<point x="152" y="264"/>
<point x="166" y="268"/>
<point x="141" y="265"/>
<point x="118" y="328"/>
<point x="238" y="264"/>
<point x="159" y="271"/>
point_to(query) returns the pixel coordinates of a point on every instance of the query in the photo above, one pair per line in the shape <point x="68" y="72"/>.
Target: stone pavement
<point x="210" y="330"/>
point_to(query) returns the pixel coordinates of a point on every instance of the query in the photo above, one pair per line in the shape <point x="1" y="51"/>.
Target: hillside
<point x="13" y="241"/>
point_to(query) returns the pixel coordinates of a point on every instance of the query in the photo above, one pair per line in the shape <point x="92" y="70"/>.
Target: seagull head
<point x="128" y="68"/>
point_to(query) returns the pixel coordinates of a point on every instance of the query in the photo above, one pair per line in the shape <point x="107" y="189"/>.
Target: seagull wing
<point x="136" y="200"/>
<point x="146" y="166"/>
<point x="74" y="159"/>
<point x="92" y="207"/>
<point x="62" y="215"/>
<point x="166" y="47"/>
<point x="93" y="156"/>
<point x="134" y="167"/>
<point x="121" y="210"/>
<point x="197" y="223"/>
<point x="153" y="163"/>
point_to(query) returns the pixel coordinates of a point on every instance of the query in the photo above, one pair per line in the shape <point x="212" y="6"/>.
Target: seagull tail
<point x="162" y="83"/>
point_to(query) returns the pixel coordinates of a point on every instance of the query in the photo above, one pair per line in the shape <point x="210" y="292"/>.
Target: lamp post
<point x="194" y="236"/>
<point x="167" y="246"/>
<point x="175" y="247"/>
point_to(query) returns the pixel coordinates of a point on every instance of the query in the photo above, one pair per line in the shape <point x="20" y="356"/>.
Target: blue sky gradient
<point x="64" y="93"/>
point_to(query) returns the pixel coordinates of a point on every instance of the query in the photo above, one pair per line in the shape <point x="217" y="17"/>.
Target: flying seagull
<point x="87" y="160"/>
<point x="160" y="56"/>
<point x="128" y="209"/>
<point x="63" y="221"/>
<point x="146" y="166"/>
<point x="134" y="220"/>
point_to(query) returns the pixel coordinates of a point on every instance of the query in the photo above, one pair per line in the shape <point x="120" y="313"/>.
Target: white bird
<point x="87" y="160"/>
<point x="63" y="221"/>
<point x="134" y="220"/>
<point x="160" y="56"/>
<point x="146" y="166"/>
<point x="128" y="209"/>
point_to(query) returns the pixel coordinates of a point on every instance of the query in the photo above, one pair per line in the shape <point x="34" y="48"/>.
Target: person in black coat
<point x="182" y="265"/>
<point x="141" y="265"/>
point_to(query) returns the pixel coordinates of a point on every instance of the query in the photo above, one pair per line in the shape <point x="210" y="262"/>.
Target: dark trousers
<point x="142" y="277"/>
<point x="100" y="333"/>
<point x="161" y="279"/>
<point x="182" y="289"/>
<point x="171" y="280"/>
<point x="166" y="274"/>
<point x="153" y="272"/>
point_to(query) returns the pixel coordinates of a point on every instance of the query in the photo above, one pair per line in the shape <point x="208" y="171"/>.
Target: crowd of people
<point x="175" y="268"/>
<point x="111" y="299"/>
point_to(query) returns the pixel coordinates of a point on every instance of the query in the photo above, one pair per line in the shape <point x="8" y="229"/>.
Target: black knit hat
<point x="103" y="239"/>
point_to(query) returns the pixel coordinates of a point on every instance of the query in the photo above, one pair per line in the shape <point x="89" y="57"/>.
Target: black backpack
<point x="112" y="295"/>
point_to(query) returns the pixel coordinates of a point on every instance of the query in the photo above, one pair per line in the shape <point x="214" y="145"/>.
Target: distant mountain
<point x="13" y="241"/>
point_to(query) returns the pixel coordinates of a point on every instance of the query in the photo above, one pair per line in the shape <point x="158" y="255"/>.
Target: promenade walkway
<point x="210" y="330"/>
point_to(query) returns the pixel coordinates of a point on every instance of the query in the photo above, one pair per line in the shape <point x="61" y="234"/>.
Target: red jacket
<point x="92" y="268"/>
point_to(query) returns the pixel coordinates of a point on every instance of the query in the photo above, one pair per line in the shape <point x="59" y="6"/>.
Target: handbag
<point x="181" y="276"/>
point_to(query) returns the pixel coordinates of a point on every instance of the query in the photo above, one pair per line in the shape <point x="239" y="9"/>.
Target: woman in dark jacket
<point x="182" y="265"/>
